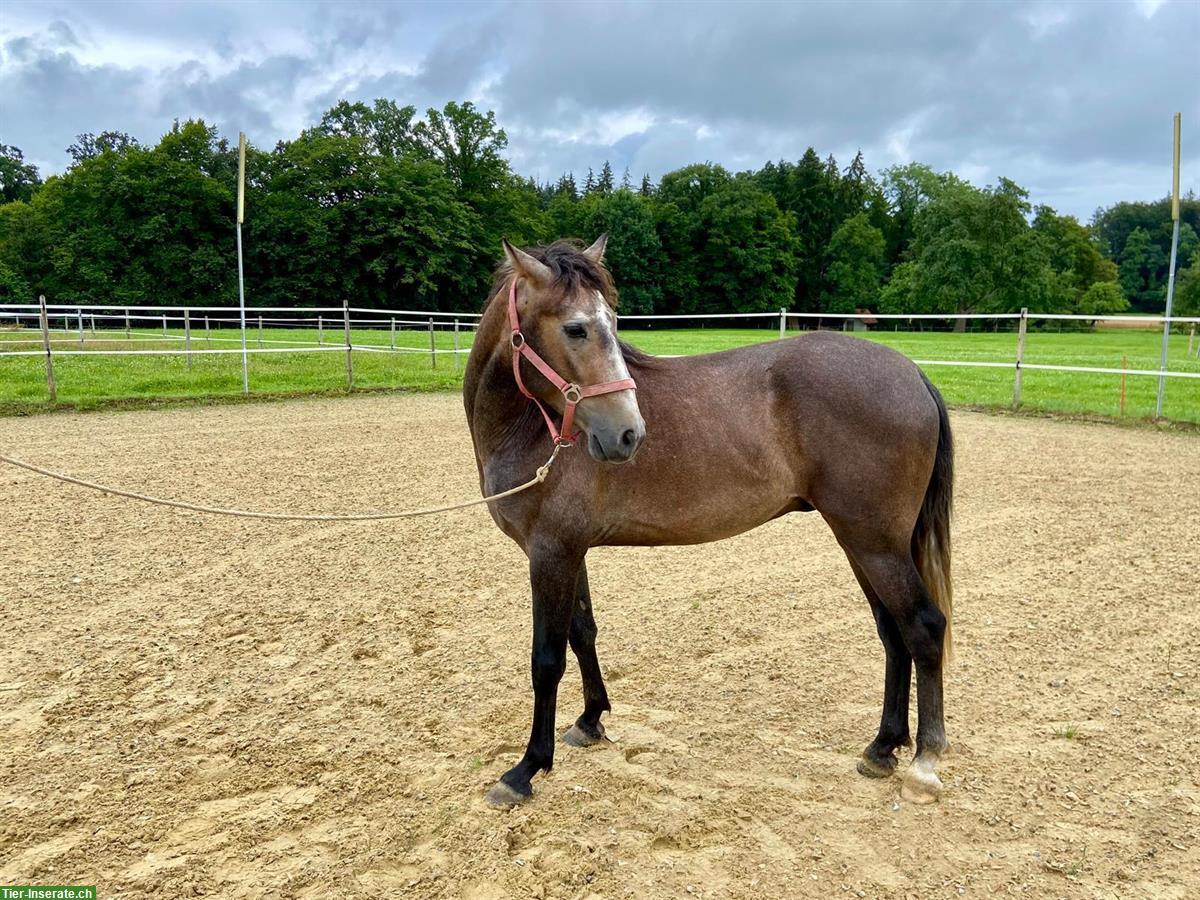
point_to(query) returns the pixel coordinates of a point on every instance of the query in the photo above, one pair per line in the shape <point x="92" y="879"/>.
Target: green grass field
<point x="106" y="381"/>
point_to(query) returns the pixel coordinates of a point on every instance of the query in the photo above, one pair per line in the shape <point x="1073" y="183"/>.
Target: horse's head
<point x="564" y="299"/>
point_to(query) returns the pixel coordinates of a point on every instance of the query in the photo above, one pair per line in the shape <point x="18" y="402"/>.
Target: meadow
<point x="89" y="382"/>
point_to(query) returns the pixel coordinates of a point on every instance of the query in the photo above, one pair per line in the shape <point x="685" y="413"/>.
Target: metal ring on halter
<point x="572" y="393"/>
<point x="518" y="340"/>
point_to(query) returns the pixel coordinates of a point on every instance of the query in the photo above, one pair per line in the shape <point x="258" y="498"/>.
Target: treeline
<point x="394" y="210"/>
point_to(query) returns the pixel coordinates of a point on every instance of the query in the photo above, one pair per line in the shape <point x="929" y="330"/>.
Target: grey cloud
<point x="1073" y="100"/>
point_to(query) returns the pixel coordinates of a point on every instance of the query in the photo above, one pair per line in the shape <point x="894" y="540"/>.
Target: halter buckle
<point x="572" y="393"/>
<point x="518" y="340"/>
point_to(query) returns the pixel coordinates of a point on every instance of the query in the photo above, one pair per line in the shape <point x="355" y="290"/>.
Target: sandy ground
<point x="198" y="706"/>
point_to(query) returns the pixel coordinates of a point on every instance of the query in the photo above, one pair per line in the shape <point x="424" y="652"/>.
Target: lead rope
<point x="542" y="472"/>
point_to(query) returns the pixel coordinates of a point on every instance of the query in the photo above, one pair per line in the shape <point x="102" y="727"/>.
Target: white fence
<point x="195" y="329"/>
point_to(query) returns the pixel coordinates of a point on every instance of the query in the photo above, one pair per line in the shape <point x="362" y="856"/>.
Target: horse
<point x="700" y="448"/>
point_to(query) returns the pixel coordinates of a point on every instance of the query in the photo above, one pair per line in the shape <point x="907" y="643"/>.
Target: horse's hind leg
<point x="879" y="759"/>
<point x="588" y="728"/>
<point x="922" y="627"/>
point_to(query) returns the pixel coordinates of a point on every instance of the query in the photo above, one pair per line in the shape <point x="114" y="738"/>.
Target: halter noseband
<point x="572" y="393"/>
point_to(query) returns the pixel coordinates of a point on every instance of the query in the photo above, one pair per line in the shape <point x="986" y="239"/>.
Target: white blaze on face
<point x="605" y="322"/>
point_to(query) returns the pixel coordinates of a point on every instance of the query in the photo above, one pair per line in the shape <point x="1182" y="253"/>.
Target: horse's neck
<point x="496" y="410"/>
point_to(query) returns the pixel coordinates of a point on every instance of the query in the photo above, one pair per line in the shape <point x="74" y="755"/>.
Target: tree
<point x="1141" y="260"/>
<point x="1071" y="253"/>
<point x="634" y="255"/>
<point x="566" y="187"/>
<point x="469" y="146"/>
<point x="906" y="189"/>
<point x="89" y="145"/>
<point x="589" y="184"/>
<point x="973" y="251"/>
<point x="899" y="295"/>
<point x="748" y="251"/>
<point x="1103" y="298"/>
<point x="604" y="184"/>
<point x="680" y="196"/>
<point x="1187" y="288"/>
<point x="626" y="181"/>
<point x="13" y="287"/>
<point x="386" y="127"/>
<point x="854" y="266"/>
<point x="647" y="188"/>
<point x="18" y="179"/>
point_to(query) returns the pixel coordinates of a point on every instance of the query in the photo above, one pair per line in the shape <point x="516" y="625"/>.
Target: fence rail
<point x="333" y="327"/>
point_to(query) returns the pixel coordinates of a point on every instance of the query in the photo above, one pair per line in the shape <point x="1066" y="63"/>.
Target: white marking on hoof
<point x="577" y="737"/>
<point x="921" y="784"/>
<point x="504" y="797"/>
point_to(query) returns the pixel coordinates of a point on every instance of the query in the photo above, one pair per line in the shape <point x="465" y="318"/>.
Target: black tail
<point x="931" y="536"/>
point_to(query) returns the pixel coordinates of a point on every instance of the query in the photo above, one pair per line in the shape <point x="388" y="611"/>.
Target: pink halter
<point x="572" y="393"/>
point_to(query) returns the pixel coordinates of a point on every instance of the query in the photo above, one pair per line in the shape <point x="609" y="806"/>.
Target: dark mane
<point x="634" y="355"/>
<point x="572" y="271"/>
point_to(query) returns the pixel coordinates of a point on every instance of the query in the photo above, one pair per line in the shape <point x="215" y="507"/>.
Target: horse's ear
<point x="524" y="264"/>
<point x="596" y="252"/>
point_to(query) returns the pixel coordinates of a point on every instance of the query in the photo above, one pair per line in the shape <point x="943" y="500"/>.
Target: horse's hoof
<point x="921" y="784"/>
<point x="577" y="737"/>
<point x="875" y="768"/>
<point x="505" y="796"/>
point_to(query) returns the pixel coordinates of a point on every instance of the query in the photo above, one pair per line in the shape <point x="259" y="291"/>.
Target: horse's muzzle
<point x="613" y="446"/>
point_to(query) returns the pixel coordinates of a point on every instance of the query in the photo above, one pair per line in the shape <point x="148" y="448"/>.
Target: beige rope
<point x="538" y="478"/>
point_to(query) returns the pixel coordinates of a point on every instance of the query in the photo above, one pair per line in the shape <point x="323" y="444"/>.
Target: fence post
<point x="80" y="328"/>
<point x="1191" y="337"/>
<point x="260" y="341"/>
<point x="320" y="331"/>
<point x="1020" y="357"/>
<point x="782" y="322"/>
<point x="164" y="325"/>
<point x="187" y="336"/>
<point x="1124" y="366"/>
<point x="93" y="318"/>
<point x="393" y="332"/>
<point x="457" y="362"/>
<point x="349" y="346"/>
<point x="432" y="347"/>
<point x="128" y="335"/>
<point x="207" y="336"/>
<point x="49" y="356"/>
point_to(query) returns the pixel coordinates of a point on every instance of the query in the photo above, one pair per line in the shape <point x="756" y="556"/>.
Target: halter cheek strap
<point x="572" y="393"/>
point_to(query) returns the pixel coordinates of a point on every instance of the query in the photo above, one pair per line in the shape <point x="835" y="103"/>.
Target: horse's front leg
<point x="553" y="571"/>
<point x="588" y="728"/>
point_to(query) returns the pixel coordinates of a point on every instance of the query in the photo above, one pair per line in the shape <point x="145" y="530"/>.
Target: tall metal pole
<point x="1162" y="359"/>
<point x="187" y="336"/>
<point x="349" y="345"/>
<point x="241" y="210"/>
<point x="49" y="355"/>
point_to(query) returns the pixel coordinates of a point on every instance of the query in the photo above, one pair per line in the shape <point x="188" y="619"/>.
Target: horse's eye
<point x="575" y="331"/>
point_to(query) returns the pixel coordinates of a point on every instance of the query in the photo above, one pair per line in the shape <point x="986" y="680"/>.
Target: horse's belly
<point x="697" y="518"/>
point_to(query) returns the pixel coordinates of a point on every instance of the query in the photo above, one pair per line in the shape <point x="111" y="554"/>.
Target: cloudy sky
<point x="1072" y="100"/>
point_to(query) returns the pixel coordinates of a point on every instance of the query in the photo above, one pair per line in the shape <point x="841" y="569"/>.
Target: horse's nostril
<point x="629" y="438"/>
